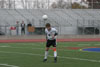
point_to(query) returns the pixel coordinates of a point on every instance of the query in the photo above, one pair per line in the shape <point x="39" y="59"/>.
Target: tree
<point x="6" y="4"/>
<point x="78" y="6"/>
<point x="54" y="5"/>
<point x="10" y="4"/>
<point x="30" y="4"/>
<point x="62" y="4"/>
<point x="23" y="3"/>
<point x="2" y="4"/>
<point x="94" y="4"/>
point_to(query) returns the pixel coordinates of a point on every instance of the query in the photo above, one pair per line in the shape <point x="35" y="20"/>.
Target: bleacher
<point x="63" y="17"/>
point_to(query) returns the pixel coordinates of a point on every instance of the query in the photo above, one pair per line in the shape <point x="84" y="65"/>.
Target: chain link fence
<point x="82" y="27"/>
<point x="88" y="27"/>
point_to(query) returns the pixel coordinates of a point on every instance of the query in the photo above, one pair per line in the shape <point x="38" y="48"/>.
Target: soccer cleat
<point x="44" y="60"/>
<point x="55" y="59"/>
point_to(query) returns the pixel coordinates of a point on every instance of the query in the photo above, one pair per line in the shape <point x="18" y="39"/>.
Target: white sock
<point x="55" y="53"/>
<point x="46" y="54"/>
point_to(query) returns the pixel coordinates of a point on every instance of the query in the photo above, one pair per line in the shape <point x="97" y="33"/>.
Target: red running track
<point x="59" y="40"/>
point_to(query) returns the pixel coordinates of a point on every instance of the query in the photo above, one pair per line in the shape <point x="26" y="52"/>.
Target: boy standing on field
<point x="51" y="35"/>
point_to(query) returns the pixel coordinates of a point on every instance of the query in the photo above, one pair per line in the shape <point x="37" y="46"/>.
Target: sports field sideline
<point x="32" y="54"/>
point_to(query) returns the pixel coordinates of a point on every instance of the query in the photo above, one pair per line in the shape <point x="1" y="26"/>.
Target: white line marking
<point x="33" y="44"/>
<point x="19" y="47"/>
<point x="8" y="65"/>
<point x="90" y="60"/>
<point x="4" y="46"/>
<point x="44" y="49"/>
<point x="36" y="48"/>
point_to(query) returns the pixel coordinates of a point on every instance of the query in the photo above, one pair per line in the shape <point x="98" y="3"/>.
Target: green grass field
<point x="32" y="54"/>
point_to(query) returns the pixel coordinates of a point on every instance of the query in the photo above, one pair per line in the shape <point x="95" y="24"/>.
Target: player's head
<point x="48" y="26"/>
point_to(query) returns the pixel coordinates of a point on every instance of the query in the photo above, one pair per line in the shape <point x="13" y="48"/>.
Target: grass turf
<point x="32" y="54"/>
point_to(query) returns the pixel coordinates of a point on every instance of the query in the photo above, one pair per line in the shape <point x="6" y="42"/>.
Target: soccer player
<point x="51" y="35"/>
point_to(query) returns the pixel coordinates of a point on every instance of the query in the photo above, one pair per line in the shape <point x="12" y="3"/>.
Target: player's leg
<point x="55" y="54"/>
<point x="47" y="49"/>
<point x="55" y="51"/>
<point x="46" y="54"/>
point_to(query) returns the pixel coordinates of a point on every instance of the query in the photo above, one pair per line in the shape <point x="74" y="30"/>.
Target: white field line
<point x="44" y="49"/>
<point x="73" y="58"/>
<point x="8" y="65"/>
<point x="32" y="48"/>
<point x="4" y="46"/>
<point x="33" y="44"/>
<point x="18" y="47"/>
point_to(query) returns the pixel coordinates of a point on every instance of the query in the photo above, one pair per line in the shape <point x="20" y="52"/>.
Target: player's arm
<point x="46" y="34"/>
<point x="56" y="33"/>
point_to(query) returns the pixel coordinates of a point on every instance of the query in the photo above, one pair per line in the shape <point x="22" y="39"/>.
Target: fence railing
<point x="80" y="27"/>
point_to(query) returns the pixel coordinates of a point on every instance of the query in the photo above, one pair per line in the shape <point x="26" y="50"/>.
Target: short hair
<point x="48" y="25"/>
